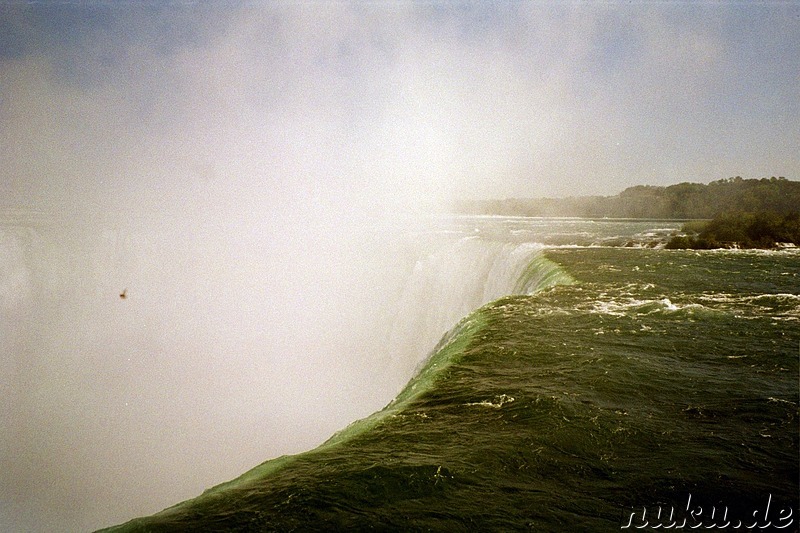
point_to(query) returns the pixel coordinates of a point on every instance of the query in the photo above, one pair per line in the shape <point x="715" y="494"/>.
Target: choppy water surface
<point x="617" y="388"/>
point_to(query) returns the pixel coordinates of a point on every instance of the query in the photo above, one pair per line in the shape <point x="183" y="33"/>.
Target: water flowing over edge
<point x="524" y="270"/>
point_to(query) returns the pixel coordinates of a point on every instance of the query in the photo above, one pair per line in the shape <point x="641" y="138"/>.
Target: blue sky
<point x="406" y="103"/>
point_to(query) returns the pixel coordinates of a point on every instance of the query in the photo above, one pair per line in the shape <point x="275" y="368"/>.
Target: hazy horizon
<point x="383" y="106"/>
<point x="28" y="208"/>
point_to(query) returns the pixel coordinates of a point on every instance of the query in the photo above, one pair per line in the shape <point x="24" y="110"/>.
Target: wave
<point x="782" y="305"/>
<point x="638" y="307"/>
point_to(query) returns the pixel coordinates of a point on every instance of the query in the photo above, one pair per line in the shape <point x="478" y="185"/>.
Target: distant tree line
<point x="763" y="229"/>
<point x="681" y="201"/>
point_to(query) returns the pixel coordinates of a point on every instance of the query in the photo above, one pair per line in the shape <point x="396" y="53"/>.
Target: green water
<point x="629" y="379"/>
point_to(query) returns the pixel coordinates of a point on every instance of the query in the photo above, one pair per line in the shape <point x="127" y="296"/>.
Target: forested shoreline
<point x="681" y="201"/>
<point x="762" y="229"/>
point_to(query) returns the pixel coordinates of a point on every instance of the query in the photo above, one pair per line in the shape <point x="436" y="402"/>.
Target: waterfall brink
<point x="454" y="280"/>
<point x="438" y="315"/>
<point x="249" y="332"/>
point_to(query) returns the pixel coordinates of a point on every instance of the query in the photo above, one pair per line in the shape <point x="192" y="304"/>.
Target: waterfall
<point x="457" y="278"/>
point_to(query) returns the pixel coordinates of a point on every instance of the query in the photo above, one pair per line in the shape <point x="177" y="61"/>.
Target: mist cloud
<point x="403" y="102"/>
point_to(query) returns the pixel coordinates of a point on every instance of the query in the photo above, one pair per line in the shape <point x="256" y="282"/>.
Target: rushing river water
<point x="606" y="384"/>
